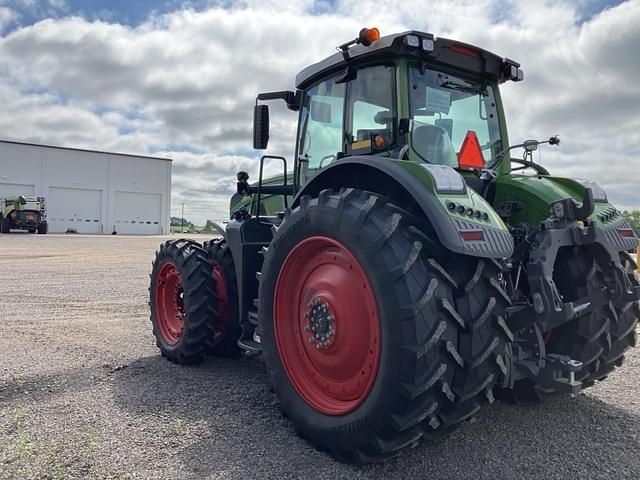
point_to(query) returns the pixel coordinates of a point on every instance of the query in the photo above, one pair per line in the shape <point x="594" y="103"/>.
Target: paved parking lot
<point x="84" y="393"/>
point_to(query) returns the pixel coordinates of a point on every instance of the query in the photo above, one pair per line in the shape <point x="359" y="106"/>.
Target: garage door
<point x="137" y="213"/>
<point x="74" y="208"/>
<point x="7" y="189"/>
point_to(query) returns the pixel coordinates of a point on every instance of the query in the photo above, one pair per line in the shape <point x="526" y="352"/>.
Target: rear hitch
<point x="550" y="371"/>
<point x="552" y="375"/>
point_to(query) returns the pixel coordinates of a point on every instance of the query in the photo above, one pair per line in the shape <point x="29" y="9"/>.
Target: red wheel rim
<point x="327" y="327"/>
<point x="222" y="294"/>
<point x="170" y="303"/>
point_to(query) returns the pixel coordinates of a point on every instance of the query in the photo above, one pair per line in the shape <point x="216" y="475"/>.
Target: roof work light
<point x="368" y="35"/>
<point x="365" y="38"/>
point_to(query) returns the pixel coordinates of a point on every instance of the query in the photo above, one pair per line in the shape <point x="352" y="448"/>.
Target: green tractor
<point x="23" y="213"/>
<point x="408" y="269"/>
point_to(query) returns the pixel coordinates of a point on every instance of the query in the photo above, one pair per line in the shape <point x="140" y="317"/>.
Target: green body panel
<point x="536" y="193"/>
<point x="271" y="204"/>
<point x="469" y="199"/>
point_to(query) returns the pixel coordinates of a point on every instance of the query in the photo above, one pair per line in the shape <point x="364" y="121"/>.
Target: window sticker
<point x="438" y="100"/>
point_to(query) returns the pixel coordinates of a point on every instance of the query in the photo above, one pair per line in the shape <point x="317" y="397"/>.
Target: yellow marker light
<point x="378" y="141"/>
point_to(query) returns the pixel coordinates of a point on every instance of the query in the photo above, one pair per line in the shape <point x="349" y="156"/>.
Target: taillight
<point x="470" y="52"/>
<point x="472" y="235"/>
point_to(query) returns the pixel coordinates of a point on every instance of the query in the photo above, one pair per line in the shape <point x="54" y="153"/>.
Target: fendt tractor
<point x="408" y="268"/>
<point x="23" y="213"/>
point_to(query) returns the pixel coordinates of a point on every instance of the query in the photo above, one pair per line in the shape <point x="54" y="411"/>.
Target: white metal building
<point x="90" y="191"/>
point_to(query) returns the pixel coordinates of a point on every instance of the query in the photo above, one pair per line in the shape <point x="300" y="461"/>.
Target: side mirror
<point x="260" y="127"/>
<point x="23" y="201"/>
<point x="555" y="140"/>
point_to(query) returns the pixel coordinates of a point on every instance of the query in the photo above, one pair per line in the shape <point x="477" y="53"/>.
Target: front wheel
<point x="43" y="228"/>
<point x="359" y="329"/>
<point x="227" y="325"/>
<point x="183" y="301"/>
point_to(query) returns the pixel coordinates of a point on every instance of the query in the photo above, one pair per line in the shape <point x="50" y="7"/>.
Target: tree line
<point x="633" y="217"/>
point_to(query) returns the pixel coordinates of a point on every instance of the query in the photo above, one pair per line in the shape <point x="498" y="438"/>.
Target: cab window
<point x="371" y="112"/>
<point x="444" y="109"/>
<point x="322" y="123"/>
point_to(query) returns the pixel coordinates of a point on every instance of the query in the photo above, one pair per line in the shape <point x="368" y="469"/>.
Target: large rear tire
<point x="183" y="301"/>
<point x="599" y="340"/>
<point x="227" y="326"/>
<point x="359" y="329"/>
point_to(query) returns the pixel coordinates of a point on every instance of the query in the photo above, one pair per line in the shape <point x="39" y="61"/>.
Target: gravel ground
<point x="85" y="394"/>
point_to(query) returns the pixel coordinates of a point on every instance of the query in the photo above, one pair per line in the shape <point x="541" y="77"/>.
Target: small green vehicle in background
<point x="23" y="213"/>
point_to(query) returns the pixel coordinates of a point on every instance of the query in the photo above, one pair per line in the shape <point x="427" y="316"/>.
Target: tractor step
<point x="249" y="347"/>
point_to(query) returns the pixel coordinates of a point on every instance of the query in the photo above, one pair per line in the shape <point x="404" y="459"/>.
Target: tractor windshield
<point x="444" y="109"/>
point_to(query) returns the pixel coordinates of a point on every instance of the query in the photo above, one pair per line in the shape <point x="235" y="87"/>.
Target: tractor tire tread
<point x="198" y="286"/>
<point x="226" y="342"/>
<point x="422" y="402"/>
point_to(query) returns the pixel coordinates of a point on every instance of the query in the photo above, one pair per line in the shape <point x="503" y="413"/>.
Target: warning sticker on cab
<point x="438" y="100"/>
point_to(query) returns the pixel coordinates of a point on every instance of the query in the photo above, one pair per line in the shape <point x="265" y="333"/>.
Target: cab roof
<point x="437" y="51"/>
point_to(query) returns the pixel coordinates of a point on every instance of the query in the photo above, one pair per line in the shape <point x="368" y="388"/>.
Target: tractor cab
<point x="407" y="96"/>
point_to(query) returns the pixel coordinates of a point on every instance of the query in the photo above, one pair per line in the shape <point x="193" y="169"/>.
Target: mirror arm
<point x="292" y="99"/>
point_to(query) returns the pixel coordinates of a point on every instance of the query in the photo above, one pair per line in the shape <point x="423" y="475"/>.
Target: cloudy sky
<point x="178" y="78"/>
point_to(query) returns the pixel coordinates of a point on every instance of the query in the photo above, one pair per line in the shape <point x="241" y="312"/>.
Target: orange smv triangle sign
<point x="470" y="156"/>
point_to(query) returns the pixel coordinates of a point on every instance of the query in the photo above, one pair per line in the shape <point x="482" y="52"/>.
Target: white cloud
<point x="7" y="17"/>
<point x="189" y="79"/>
<point x="59" y="4"/>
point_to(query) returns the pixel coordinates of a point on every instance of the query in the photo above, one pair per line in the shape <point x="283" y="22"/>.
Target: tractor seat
<point x="434" y="145"/>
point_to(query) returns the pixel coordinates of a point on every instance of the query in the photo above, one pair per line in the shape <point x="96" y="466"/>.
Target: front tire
<point x="183" y="301"/>
<point x="227" y="326"/>
<point x="359" y="330"/>
<point x="43" y="228"/>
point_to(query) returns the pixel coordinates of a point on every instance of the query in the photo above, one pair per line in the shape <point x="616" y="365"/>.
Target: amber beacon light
<point x="368" y="35"/>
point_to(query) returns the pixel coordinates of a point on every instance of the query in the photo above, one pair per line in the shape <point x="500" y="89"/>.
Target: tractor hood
<point x="528" y="199"/>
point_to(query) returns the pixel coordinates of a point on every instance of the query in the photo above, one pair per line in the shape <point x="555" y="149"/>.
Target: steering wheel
<point x="527" y="164"/>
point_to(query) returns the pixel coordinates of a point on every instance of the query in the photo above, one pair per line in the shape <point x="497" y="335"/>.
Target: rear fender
<point x="412" y="187"/>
